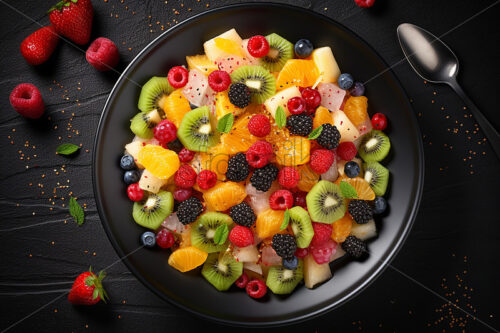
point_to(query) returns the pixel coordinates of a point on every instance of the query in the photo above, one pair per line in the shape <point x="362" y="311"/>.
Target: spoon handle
<point x="488" y="129"/>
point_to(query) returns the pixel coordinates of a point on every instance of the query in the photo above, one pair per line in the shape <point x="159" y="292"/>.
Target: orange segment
<point x="224" y="106"/>
<point x="322" y="116"/>
<point x="361" y="186"/>
<point x="215" y="160"/>
<point x="161" y="162"/>
<point x="297" y="72"/>
<point x="229" y="46"/>
<point x="223" y="196"/>
<point x="239" y="139"/>
<point x="356" y="108"/>
<point x="342" y="228"/>
<point x="175" y="107"/>
<point x="269" y="222"/>
<point x="187" y="258"/>
<point x="308" y="178"/>
<point x="201" y="63"/>
<point x="292" y="151"/>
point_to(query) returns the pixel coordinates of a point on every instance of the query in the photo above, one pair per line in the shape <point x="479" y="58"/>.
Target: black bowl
<point x="189" y="290"/>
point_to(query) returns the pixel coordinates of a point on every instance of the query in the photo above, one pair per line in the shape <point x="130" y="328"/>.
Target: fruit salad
<point x="257" y="164"/>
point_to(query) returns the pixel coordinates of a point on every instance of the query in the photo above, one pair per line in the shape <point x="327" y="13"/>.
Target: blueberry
<point x="358" y="89"/>
<point x="379" y="205"/>
<point x="351" y="169"/>
<point x="303" y="48"/>
<point x="127" y="162"/>
<point x="131" y="176"/>
<point x="291" y="263"/>
<point x="148" y="239"/>
<point x="345" y="81"/>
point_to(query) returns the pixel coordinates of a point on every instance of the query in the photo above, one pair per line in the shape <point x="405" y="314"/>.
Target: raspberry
<point x="259" y="154"/>
<point x="258" y="46"/>
<point x="206" y="179"/>
<point x="346" y="151"/>
<point x="259" y="125"/>
<point x="102" y="54"/>
<point x="323" y="252"/>
<point x="284" y="245"/>
<point x="178" y="77"/>
<point x="237" y="168"/>
<point x="165" y="131"/>
<point x="364" y="3"/>
<point x="219" y="80"/>
<point x="263" y="178"/>
<point x="322" y="232"/>
<point x="296" y="105"/>
<point x="322" y="160"/>
<point x="134" y="192"/>
<point x="299" y="124"/>
<point x="360" y="211"/>
<point x="354" y="246"/>
<point x="379" y="121"/>
<point x="281" y="200"/>
<point x="27" y="101"/>
<point x="242" y="214"/>
<point x="189" y="210"/>
<point x="185" y="176"/>
<point x="239" y="95"/>
<point x="299" y="199"/>
<point x="288" y="177"/>
<point x="241" y="236"/>
<point x="256" y="288"/>
<point x="182" y="194"/>
<point x="329" y="137"/>
<point x="186" y="155"/>
<point x="165" y="239"/>
<point x="301" y="252"/>
<point x="242" y="281"/>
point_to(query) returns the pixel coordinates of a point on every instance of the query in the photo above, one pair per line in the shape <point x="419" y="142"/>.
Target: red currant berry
<point x="186" y="155"/>
<point x="296" y="105"/>
<point x="134" y="192"/>
<point x="258" y="46"/>
<point x="379" y="121"/>
<point x="165" y="131"/>
<point x="178" y="77"/>
<point x="312" y="98"/>
<point x="242" y="281"/>
<point x="301" y="252"/>
<point x="256" y="288"/>
<point x="299" y="199"/>
<point x="182" y="194"/>
<point x="165" y="239"/>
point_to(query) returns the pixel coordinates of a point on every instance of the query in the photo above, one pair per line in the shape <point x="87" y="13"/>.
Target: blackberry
<point x="354" y="246"/>
<point x="299" y="124"/>
<point x="262" y="178"/>
<point x="239" y="95"/>
<point x="360" y="211"/>
<point x="189" y="210"/>
<point x="284" y="245"/>
<point x="237" y="168"/>
<point x="243" y="214"/>
<point x="175" y="145"/>
<point x="329" y="137"/>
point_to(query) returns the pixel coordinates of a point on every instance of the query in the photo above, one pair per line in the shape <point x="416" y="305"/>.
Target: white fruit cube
<point x="246" y="254"/>
<point x="133" y="150"/>
<point x="314" y="273"/>
<point x="348" y="132"/>
<point x="281" y="99"/>
<point x="213" y="52"/>
<point x="332" y="96"/>
<point x="256" y="268"/>
<point x="150" y="182"/>
<point x="326" y="64"/>
<point x="339" y="253"/>
<point x="364" y="231"/>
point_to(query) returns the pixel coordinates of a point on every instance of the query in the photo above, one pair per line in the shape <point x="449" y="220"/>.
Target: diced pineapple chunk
<point x="252" y="267"/>
<point x="246" y="254"/>
<point x="281" y="99"/>
<point x="213" y="52"/>
<point x="314" y="273"/>
<point x="364" y="231"/>
<point x="201" y="63"/>
<point x="150" y="182"/>
<point x="326" y="64"/>
<point x="348" y="132"/>
<point x="133" y="150"/>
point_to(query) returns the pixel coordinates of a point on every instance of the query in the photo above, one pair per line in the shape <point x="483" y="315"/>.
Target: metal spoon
<point x="435" y="62"/>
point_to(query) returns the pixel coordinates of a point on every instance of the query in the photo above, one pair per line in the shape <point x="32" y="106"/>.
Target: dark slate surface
<point x="451" y="252"/>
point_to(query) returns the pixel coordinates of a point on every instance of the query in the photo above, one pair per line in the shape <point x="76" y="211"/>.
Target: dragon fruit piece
<point x="331" y="96"/>
<point x="231" y="63"/>
<point x="197" y="91"/>
<point x="332" y="173"/>
<point x="173" y="224"/>
<point x="269" y="257"/>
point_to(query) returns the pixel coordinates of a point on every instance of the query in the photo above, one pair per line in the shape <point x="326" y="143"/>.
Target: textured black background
<point x="452" y="249"/>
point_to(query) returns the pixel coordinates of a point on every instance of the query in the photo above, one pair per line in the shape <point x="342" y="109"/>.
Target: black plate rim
<point x="396" y="247"/>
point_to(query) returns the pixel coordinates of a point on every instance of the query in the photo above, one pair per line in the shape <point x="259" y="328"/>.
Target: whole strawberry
<point x="38" y="46"/>
<point x="73" y="19"/>
<point x="87" y="289"/>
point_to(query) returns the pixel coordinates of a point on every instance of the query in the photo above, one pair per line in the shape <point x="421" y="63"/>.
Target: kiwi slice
<point x="301" y="226"/>
<point x="143" y="123"/>
<point x="203" y="231"/>
<point x="283" y="281"/>
<point x="153" y="210"/>
<point x="221" y="271"/>
<point x="325" y="202"/>
<point x="261" y="83"/>
<point x="198" y="129"/>
<point x="374" y="146"/>
<point x="377" y="176"/>
<point x="153" y="94"/>
<point x="280" y="50"/>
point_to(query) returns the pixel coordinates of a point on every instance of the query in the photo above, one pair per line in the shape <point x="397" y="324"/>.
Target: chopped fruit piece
<point x="303" y="48"/>
<point x="161" y="162"/>
<point x="322" y="252"/>
<point x="165" y="131"/>
<point x="259" y="125"/>
<point x="223" y="106"/>
<point x="281" y="200"/>
<point x="322" y="160"/>
<point x="150" y="182"/>
<point x="185" y="177"/>
<point x="347" y="151"/>
<point x="364" y="231"/>
<point x="259" y="154"/>
<point x="292" y="152"/>
<point x="102" y="54"/>
<point x="322" y="116"/>
<point x="308" y="178"/>
<point x="356" y="108"/>
<point x="269" y="222"/>
<point x="315" y="274"/>
<point x="332" y="96"/>
<point x="213" y="51"/>
<point x="312" y="98"/>
<point x="342" y="228"/>
<point x="197" y="91"/>
<point x="187" y="258"/>
<point x="288" y="177"/>
<point x="322" y="232"/>
<point x="281" y="99"/>
<point x="297" y="72"/>
<point x="178" y="77"/>
<point x="201" y="63"/>
<point x="175" y="106"/>
<point x="223" y="196"/>
<point x="348" y="131"/>
<point x="215" y="160"/>
<point x="229" y="46"/>
<point x="206" y="179"/>
<point x="326" y="64"/>
<point x="296" y="105"/>
<point x="231" y="63"/>
<point x="269" y="257"/>
<point x="219" y="80"/>
<point x="239" y="139"/>
<point x="379" y="121"/>
<point x="26" y="99"/>
<point x="256" y="288"/>
<point x="241" y="236"/>
<point x="258" y="46"/>
<point x="134" y="192"/>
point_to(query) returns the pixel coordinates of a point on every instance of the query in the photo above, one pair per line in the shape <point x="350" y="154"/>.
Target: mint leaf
<point x="315" y="133"/>
<point x="347" y="190"/>
<point x="225" y="123"/>
<point x="76" y="211"/>
<point x="67" y="149"/>
<point x="221" y="234"/>
<point x="286" y="220"/>
<point x="280" y="117"/>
